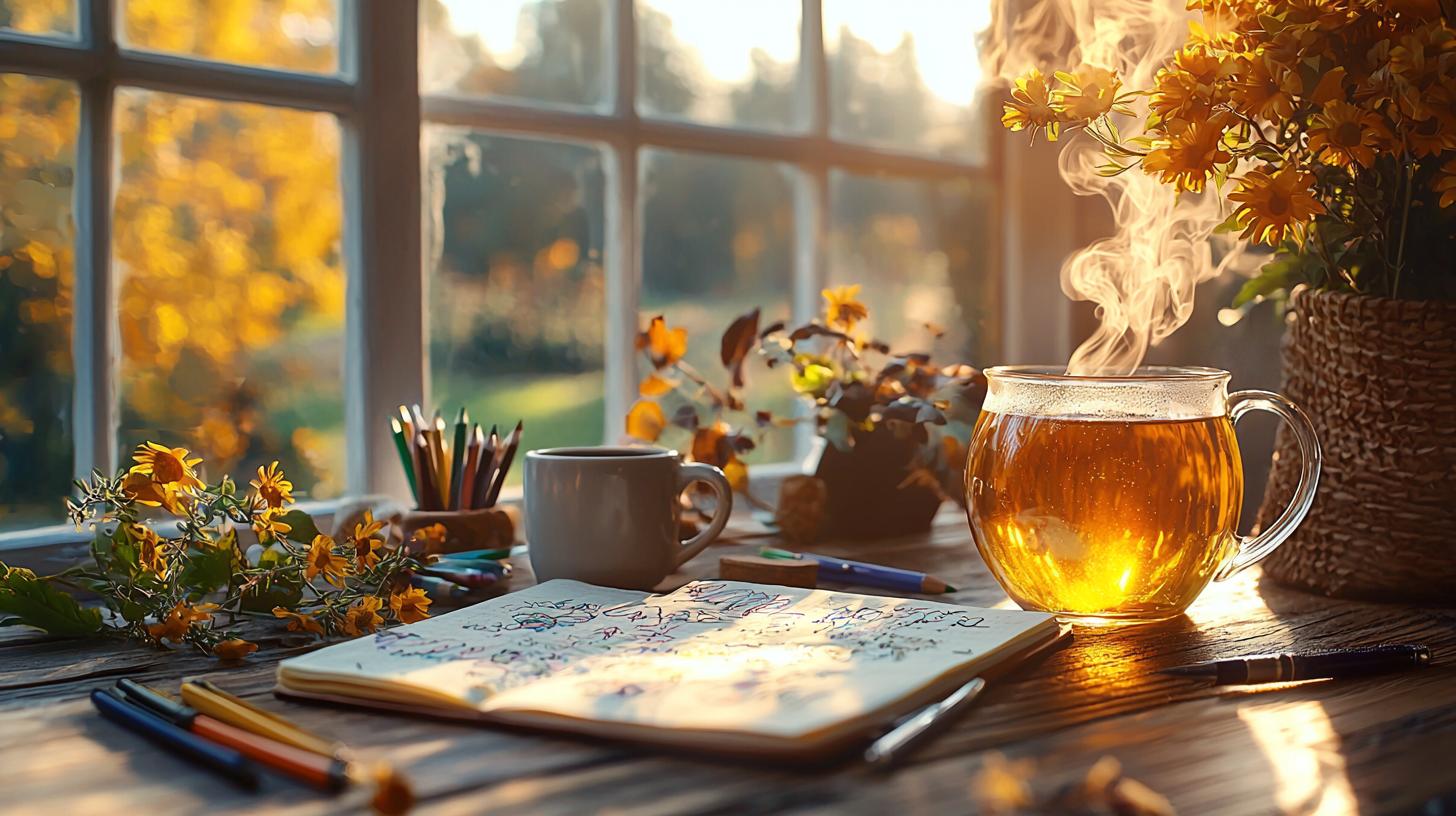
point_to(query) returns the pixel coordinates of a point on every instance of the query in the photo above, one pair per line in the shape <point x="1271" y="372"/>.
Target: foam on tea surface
<point x="1151" y="394"/>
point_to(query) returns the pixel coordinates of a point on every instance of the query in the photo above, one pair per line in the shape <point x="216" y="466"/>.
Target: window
<point x="244" y="227"/>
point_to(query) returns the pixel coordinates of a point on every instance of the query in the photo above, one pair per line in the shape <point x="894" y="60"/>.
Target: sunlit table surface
<point x="1377" y="745"/>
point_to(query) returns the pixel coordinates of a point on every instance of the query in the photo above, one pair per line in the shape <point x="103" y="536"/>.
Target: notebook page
<point x="462" y="654"/>
<point x="722" y="655"/>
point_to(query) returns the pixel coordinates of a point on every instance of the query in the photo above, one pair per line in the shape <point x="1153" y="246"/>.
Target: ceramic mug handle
<point x="1252" y="549"/>
<point x="697" y="472"/>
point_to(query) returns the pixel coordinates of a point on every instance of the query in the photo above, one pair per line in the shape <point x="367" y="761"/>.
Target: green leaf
<point x="304" y="528"/>
<point x="1274" y="276"/>
<point x="285" y="593"/>
<point x="34" y="602"/>
<point x="1230" y="224"/>
<point x="208" y="569"/>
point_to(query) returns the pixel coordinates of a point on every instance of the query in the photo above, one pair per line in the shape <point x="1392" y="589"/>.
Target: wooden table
<point x="1385" y="744"/>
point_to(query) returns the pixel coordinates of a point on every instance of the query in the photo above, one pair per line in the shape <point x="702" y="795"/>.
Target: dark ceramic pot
<point x="865" y="497"/>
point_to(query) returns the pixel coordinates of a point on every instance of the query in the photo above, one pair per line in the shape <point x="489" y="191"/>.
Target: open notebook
<point x="716" y="665"/>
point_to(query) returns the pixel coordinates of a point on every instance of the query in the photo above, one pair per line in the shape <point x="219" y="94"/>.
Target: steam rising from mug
<point x="1142" y="277"/>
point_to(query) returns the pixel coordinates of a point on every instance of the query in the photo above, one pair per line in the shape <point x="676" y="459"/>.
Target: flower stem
<point x="1410" y="178"/>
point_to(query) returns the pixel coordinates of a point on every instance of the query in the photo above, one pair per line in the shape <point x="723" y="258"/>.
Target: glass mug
<point x="1116" y="499"/>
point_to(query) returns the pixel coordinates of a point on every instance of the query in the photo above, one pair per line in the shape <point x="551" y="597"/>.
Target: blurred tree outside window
<point x="228" y="218"/>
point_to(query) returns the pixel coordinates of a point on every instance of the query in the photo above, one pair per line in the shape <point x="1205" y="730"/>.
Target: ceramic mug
<point x="609" y="515"/>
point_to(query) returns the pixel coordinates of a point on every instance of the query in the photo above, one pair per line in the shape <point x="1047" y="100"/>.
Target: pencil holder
<point x="487" y="529"/>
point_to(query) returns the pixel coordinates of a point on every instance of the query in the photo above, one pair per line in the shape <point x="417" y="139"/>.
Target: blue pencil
<point x="176" y="739"/>
<point x="871" y="575"/>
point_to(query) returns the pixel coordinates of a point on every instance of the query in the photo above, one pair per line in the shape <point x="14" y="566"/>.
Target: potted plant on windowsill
<point x="1336" y="125"/>
<point x="894" y="425"/>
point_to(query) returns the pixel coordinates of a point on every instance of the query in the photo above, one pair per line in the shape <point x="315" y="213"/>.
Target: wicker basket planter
<point x="1378" y="378"/>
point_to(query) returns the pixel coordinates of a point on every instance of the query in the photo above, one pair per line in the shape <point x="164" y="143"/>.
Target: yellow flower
<point x="366" y="546"/>
<point x="1275" y="203"/>
<point x="143" y="490"/>
<point x="1187" y="90"/>
<point x="1446" y="183"/>
<point x="1435" y="134"/>
<point x="842" y="309"/>
<point x="268" y="524"/>
<point x="167" y="466"/>
<point x="1265" y="89"/>
<point x="151" y="550"/>
<point x="431" y="537"/>
<point x="664" y="346"/>
<point x="1187" y="159"/>
<point x="298" y="621"/>
<point x="234" y="649"/>
<point x="1033" y="105"/>
<point x="1344" y="135"/>
<point x="1090" y="92"/>
<point x="272" y="486"/>
<point x="322" y="560"/>
<point x="363" y="617"/>
<point x="180" y="619"/>
<point x="410" y="606"/>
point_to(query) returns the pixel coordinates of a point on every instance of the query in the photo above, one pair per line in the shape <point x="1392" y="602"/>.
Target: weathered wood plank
<point x="1379" y="745"/>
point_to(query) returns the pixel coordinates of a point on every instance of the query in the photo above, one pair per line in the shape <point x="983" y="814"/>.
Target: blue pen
<point x="236" y="767"/>
<point x="871" y="575"/>
<point x="439" y="589"/>
<point x="499" y="569"/>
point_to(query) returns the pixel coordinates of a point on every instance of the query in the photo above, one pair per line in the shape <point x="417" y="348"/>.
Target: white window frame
<point x="386" y="359"/>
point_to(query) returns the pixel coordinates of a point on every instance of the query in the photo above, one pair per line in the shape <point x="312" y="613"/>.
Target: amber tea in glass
<point x="1116" y="499"/>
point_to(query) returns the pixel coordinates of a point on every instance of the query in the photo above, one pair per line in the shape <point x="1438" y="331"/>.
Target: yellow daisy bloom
<point x="1265" y="89"/>
<point x="1275" y="203"/>
<point x="363" y="617"/>
<point x="1435" y="134"/>
<point x="1446" y="183"/>
<point x="1090" y="92"/>
<point x="842" y="309"/>
<point x="322" y="560"/>
<point x="298" y="621"/>
<point x="272" y="486"/>
<point x="1187" y="90"/>
<point x="180" y="619"/>
<point x="1343" y="135"/>
<point x="167" y="466"/>
<point x="268" y="524"/>
<point x="1033" y="106"/>
<point x="1189" y="158"/>
<point x="410" y="605"/>
<point x="151" y="550"/>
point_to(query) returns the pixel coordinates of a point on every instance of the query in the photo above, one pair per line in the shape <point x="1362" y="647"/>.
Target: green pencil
<point x="457" y="456"/>
<point x="405" y="458"/>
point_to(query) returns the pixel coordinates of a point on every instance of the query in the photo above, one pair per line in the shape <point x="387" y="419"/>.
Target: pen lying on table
<point x="1330" y="664"/>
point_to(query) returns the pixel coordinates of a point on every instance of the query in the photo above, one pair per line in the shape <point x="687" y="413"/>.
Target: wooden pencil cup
<point x="486" y="529"/>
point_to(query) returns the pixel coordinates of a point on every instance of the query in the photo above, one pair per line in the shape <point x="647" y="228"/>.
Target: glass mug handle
<point x="697" y="472"/>
<point x="1253" y="549"/>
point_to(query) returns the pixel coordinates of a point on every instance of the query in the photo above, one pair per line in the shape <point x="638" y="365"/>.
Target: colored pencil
<point x="405" y="457"/>
<point x="467" y="470"/>
<point x="206" y="698"/>
<point x="437" y="454"/>
<point x="457" y="457"/>
<point x="511" y="443"/>
<point x="114" y="706"/>
<point x="429" y="494"/>
<point x="489" y="458"/>
<point x="860" y="573"/>
<point x="325" y="773"/>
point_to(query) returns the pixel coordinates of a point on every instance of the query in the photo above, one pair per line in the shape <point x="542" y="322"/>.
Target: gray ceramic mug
<point x="609" y="516"/>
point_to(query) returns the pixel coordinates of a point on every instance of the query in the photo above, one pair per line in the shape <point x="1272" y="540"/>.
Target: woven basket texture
<point x="1378" y="379"/>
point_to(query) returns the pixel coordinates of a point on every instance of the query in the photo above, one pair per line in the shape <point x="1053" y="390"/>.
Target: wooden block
<point x="759" y="570"/>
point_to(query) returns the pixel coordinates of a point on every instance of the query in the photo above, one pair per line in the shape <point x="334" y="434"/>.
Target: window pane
<point x="37" y="163"/>
<point x="904" y="74"/>
<point x="720" y="63"/>
<point x="516" y="286"/>
<point x="295" y="35"/>
<point x="718" y="241"/>
<point x="44" y="17"/>
<point x="552" y="51"/>
<point x="231" y="293"/>
<point x="922" y="251"/>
